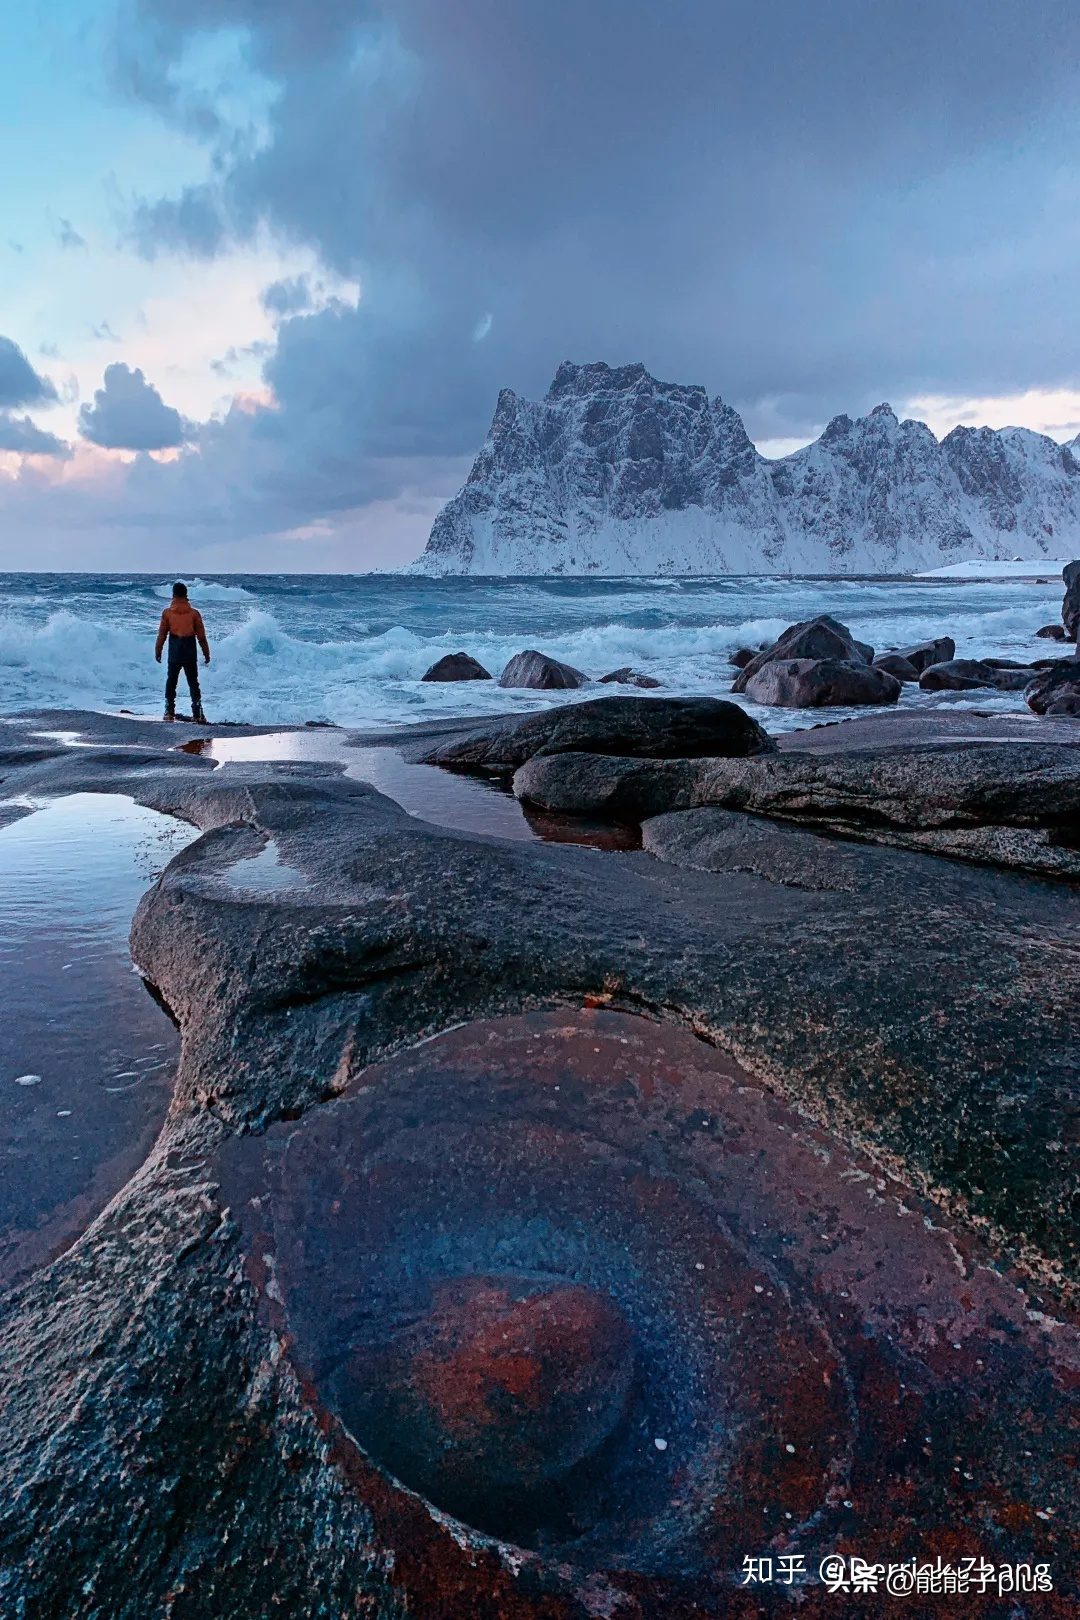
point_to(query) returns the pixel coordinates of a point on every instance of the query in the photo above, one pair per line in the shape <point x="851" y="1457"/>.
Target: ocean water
<point x="351" y="649"/>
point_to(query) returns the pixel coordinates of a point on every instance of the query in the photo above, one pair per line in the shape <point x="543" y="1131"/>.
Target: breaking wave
<point x="337" y="661"/>
<point x="208" y="590"/>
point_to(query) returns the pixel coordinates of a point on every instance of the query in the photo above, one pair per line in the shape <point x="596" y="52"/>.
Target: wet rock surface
<point x="537" y="670"/>
<point x="652" y="728"/>
<point x="824" y="638"/>
<point x="713" y="840"/>
<point x="805" y="683"/>
<point x="1057" y="684"/>
<point x="896" y="665"/>
<point x="629" y="677"/>
<point x="922" y="654"/>
<point x="967" y="674"/>
<point x="1016" y="806"/>
<point x="675" y="1249"/>
<point x="1070" y="608"/>
<point x="194" y="1397"/>
<point x="457" y="666"/>
<point x="604" y="785"/>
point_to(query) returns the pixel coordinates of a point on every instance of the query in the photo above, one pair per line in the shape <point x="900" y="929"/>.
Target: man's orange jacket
<point x="181" y="619"/>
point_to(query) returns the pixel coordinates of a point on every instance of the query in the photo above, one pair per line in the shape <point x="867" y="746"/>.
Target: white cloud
<point x="1053" y="411"/>
<point x="173" y="319"/>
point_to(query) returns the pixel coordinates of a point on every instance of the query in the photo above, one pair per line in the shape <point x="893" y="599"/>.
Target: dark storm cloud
<point x="20" y="384"/>
<point x="807" y="208"/>
<point x="128" y="413"/>
<point x="20" y="434"/>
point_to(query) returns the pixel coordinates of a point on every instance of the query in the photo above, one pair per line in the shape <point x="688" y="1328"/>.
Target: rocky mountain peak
<point x="839" y="428"/>
<point x="596" y="377"/>
<point x="616" y="472"/>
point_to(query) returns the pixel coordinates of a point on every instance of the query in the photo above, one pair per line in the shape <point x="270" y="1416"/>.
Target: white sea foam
<point x="208" y="590"/>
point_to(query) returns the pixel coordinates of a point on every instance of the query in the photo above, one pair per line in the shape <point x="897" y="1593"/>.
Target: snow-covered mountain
<point x="616" y="473"/>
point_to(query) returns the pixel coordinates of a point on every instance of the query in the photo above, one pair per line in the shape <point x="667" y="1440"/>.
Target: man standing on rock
<point x="183" y="625"/>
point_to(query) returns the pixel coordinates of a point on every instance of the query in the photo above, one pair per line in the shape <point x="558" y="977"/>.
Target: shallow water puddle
<point x="462" y="802"/>
<point x="265" y="873"/>
<point x="86" y="1056"/>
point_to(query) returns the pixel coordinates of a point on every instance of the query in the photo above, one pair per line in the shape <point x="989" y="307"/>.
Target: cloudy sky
<point x="265" y="264"/>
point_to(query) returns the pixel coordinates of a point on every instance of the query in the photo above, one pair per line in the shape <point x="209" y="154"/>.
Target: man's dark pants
<point x="183" y="655"/>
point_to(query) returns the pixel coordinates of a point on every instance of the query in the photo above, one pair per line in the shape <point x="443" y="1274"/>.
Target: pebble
<point x="28" y="1079"/>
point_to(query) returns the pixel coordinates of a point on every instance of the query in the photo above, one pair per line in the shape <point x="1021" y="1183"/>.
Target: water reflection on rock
<point x="76" y="1017"/>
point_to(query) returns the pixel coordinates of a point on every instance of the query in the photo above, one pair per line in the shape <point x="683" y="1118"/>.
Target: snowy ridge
<point x="616" y="473"/>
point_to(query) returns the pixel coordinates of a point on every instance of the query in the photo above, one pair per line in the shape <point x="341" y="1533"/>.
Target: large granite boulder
<point x="457" y="666"/>
<point x="823" y="637"/>
<point x="896" y="665"/>
<point x="617" y="789"/>
<point x="1058" y="683"/>
<point x="541" y="673"/>
<point x="649" y="728"/>
<point x="1070" y="608"/>
<point x="925" y="653"/>
<point x="814" y="683"/>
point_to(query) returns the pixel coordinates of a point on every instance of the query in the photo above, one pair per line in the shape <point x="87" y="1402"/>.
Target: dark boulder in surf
<point x="815" y="683"/>
<point x="541" y="673"/>
<point x="457" y="666"/>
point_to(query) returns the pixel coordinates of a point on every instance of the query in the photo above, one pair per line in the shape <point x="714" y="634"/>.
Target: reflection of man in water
<point x="184" y="627"/>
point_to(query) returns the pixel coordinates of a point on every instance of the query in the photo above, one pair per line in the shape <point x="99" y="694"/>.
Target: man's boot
<point x="198" y="716"/>
<point x="168" y="715"/>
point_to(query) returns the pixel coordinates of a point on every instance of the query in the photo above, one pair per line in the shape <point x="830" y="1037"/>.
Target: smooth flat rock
<point x="654" y="728"/>
<point x="940" y="723"/>
<point x="605" y="785"/>
<point x="712" y="840"/>
<point x="1014" y="806"/>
